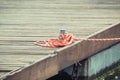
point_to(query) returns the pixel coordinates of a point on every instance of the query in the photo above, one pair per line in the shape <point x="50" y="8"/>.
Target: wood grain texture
<point x="24" y="21"/>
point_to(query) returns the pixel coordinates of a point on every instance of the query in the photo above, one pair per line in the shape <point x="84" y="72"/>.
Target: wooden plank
<point x="25" y="50"/>
<point x="3" y="73"/>
<point x="66" y="56"/>
<point x="9" y="67"/>
<point x="47" y="28"/>
<point x="12" y="21"/>
<point x="19" y="59"/>
<point x="84" y="49"/>
<point x="17" y="5"/>
<point x="42" y="68"/>
<point x="22" y="22"/>
<point x="23" y="47"/>
<point x="81" y="16"/>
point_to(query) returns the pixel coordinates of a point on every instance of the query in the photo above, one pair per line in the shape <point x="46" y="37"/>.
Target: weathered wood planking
<point x="24" y="21"/>
<point x="84" y="49"/>
<point x="3" y="73"/>
<point x="65" y="57"/>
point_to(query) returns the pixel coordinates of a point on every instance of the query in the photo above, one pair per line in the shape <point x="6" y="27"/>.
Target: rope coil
<point x="67" y="39"/>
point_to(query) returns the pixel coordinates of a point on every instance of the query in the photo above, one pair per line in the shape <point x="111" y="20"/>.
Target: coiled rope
<point x="67" y="39"/>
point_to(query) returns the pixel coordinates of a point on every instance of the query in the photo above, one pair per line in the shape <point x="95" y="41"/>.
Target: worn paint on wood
<point x="103" y="60"/>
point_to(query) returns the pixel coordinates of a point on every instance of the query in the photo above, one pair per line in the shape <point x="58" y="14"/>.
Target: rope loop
<point x="67" y="39"/>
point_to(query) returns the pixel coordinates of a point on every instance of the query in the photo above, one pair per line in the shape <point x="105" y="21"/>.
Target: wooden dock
<point x="24" y="21"/>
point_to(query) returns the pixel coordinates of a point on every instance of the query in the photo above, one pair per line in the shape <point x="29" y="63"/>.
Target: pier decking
<point x="24" y="21"/>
